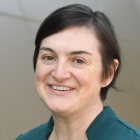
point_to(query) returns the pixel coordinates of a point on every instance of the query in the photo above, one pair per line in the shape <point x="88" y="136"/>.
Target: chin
<point x="59" y="109"/>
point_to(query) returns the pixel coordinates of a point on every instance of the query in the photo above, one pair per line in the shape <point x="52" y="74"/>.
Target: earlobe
<point x="111" y="71"/>
<point x="116" y="64"/>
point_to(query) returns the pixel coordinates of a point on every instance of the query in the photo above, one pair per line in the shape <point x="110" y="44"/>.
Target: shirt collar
<point x="100" y="123"/>
<point x="49" y="128"/>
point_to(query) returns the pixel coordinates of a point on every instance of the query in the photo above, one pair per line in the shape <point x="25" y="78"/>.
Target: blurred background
<point x="20" y="106"/>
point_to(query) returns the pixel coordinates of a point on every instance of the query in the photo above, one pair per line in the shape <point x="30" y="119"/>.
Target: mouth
<point x="60" y="88"/>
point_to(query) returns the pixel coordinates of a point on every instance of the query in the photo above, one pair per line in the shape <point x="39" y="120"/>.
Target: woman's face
<point x="69" y="71"/>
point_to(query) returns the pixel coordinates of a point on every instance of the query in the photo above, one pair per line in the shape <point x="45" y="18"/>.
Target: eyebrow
<point x="80" y="52"/>
<point x="47" y="49"/>
<point x="71" y="53"/>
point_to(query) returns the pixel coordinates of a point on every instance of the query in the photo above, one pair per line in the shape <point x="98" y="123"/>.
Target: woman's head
<point x="82" y="16"/>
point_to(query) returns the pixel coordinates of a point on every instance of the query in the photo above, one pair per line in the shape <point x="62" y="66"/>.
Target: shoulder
<point x="34" y="133"/>
<point x="123" y="130"/>
<point x="39" y="133"/>
<point x="126" y="127"/>
<point x="109" y="126"/>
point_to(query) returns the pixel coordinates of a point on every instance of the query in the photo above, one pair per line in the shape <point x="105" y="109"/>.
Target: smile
<point x="61" y="88"/>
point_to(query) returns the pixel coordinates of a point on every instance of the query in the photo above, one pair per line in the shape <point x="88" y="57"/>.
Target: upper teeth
<point x="60" y="88"/>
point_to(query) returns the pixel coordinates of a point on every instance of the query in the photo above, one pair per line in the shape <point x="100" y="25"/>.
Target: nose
<point x="61" y="72"/>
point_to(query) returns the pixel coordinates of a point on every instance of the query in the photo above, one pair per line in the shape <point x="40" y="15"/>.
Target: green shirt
<point x="106" y="126"/>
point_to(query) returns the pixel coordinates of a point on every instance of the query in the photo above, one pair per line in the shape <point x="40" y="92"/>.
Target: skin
<point x="71" y="59"/>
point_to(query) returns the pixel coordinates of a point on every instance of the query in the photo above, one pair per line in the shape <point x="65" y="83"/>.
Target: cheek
<point x="92" y="80"/>
<point x="36" y="80"/>
<point x="40" y="71"/>
<point x="40" y="84"/>
<point x="39" y="75"/>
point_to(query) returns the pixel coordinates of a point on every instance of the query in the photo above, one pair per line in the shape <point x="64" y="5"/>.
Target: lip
<point x="60" y="92"/>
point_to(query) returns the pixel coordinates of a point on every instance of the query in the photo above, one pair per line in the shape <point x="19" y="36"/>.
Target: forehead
<point x="73" y="38"/>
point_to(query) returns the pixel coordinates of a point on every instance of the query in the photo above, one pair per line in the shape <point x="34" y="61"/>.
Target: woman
<point x="76" y="60"/>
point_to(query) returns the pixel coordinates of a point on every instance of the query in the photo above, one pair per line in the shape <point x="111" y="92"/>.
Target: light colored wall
<point x="20" y="108"/>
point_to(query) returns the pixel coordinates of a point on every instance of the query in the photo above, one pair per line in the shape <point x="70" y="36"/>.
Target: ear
<point x="111" y="71"/>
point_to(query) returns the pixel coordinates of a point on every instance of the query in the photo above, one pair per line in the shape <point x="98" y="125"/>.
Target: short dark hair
<point x="81" y="15"/>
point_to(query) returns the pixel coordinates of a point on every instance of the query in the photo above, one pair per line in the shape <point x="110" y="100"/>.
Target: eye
<point x="48" y="58"/>
<point x="79" y="61"/>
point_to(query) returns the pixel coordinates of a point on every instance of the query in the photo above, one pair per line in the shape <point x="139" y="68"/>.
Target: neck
<point x="74" y="126"/>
